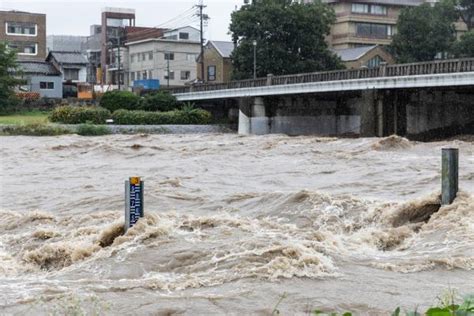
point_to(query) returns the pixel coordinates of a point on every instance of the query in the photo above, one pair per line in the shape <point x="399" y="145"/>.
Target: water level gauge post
<point x="449" y="175"/>
<point x="134" y="202"/>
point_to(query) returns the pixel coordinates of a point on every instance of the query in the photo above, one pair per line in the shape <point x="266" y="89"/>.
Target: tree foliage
<point x="424" y="31"/>
<point x="465" y="46"/>
<point x="466" y="10"/>
<point x="290" y="38"/>
<point x="8" y="65"/>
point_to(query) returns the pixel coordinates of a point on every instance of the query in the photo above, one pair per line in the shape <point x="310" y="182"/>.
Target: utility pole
<point x="119" y="86"/>
<point x="202" y="17"/>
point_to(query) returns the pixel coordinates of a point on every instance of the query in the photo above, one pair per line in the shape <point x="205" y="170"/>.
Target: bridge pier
<point x="253" y="118"/>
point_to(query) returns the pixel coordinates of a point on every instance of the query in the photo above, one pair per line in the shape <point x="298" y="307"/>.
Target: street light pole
<point x="254" y="59"/>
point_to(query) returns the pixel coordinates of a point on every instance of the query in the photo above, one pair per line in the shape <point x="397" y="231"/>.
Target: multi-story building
<point x="170" y="58"/>
<point x="24" y="32"/>
<point x="366" y="22"/>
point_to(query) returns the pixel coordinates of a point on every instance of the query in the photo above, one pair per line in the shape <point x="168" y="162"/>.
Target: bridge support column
<point x="368" y="114"/>
<point x="244" y="117"/>
<point x="259" y="122"/>
<point x="252" y="117"/>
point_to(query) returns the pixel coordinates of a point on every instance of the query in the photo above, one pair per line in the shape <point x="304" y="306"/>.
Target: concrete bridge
<point x="417" y="100"/>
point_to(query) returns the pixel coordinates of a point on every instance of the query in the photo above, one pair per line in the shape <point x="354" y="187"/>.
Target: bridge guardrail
<point x="413" y="69"/>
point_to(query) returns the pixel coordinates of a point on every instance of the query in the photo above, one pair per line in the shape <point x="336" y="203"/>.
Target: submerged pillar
<point x="244" y="117"/>
<point x="259" y="122"/>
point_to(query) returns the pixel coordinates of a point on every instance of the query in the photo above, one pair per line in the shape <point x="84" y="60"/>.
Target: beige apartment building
<point x="365" y="23"/>
<point x="24" y="32"/>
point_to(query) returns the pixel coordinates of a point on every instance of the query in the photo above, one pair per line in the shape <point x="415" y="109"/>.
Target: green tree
<point x="465" y="46"/>
<point x="466" y="10"/>
<point x="424" y="31"/>
<point x="8" y="65"/>
<point x="290" y="38"/>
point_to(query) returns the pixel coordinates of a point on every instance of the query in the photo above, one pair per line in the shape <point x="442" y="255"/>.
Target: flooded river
<point x="234" y="225"/>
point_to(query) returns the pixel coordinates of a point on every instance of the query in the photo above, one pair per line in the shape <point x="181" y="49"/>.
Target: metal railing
<point x="424" y="68"/>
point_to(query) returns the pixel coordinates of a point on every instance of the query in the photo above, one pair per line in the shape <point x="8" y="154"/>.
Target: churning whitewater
<point x="234" y="225"/>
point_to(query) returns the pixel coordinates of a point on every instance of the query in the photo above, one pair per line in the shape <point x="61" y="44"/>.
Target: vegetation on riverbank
<point x="31" y="117"/>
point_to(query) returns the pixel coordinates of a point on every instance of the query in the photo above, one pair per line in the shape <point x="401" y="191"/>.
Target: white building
<point x="171" y="58"/>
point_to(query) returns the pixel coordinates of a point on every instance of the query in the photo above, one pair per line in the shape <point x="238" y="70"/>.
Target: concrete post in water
<point x="259" y="122"/>
<point x="134" y="203"/>
<point x="449" y="175"/>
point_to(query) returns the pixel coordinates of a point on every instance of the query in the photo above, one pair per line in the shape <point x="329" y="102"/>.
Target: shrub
<point x="92" y="130"/>
<point x="178" y="117"/>
<point x="158" y="101"/>
<point x="78" y="115"/>
<point x="118" y="100"/>
<point x="35" y="130"/>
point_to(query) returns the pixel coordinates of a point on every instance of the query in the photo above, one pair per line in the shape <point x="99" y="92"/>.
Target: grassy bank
<point x="25" y="118"/>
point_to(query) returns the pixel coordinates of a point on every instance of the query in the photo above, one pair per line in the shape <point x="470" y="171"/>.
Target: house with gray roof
<point x="73" y="65"/>
<point x="364" y="56"/>
<point x="217" y="61"/>
<point x="42" y="77"/>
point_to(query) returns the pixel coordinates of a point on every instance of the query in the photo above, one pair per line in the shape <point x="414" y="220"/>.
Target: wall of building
<point x="194" y="34"/>
<point x="185" y="54"/>
<point x="33" y="82"/>
<point x="40" y="39"/>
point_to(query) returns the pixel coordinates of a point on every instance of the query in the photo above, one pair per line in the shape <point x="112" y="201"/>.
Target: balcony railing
<point x="424" y="68"/>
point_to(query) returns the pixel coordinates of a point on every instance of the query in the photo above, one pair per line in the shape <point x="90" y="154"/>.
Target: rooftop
<point x="224" y="48"/>
<point x="38" y="67"/>
<point x="68" y="57"/>
<point x="350" y="54"/>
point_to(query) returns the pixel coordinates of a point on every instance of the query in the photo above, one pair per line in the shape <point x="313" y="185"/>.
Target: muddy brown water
<point x="234" y="225"/>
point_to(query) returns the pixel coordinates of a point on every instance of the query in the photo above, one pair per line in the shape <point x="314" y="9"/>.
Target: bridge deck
<point x="455" y="72"/>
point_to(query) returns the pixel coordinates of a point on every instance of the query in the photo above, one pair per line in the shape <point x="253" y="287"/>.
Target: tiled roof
<point x="350" y="54"/>
<point x="224" y="48"/>
<point x="68" y="57"/>
<point x="38" y="67"/>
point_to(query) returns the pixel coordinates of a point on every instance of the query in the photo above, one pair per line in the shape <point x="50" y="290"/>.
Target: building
<point x="170" y="59"/>
<point x="114" y="21"/>
<point x="364" y="56"/>
<point x="42" y="77"/>
<point x="217" y="62"/>
<point x="73" y="65"/>
<point x="66" y="43"/>
<point x="25" y="32"/>
<point x="365" y="23"/>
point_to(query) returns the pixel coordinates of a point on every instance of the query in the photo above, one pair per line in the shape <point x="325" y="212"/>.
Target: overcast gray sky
<point x="73" y="17"/>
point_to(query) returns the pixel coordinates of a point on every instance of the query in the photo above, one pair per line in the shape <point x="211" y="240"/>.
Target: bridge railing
<point x="424" y="68"/>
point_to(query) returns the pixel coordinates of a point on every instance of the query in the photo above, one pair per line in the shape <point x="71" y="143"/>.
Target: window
<point x="150" y="55"/>
<point x="21" y="28"/>
<point x="144" y="75"/>
<point x="211" y="73"/>
<point x="133" y="58"/>
<point x="191" y="57"/>
<point x="169" y="75"/>
<point x="150" y="74"/>
<point x="169" y="56"/>
<point x="144" y="56"/>
<point x="373" y="30"/>
<point x="24" y="48"/>
<point x="132" y="76"/>
<point x="46" y="85"/>
<point x="374" y="9"/>
<point x="183" y="36"/>
<point x="185" y="75"/>
<point x="138" y="75"/>
<point x="71" y="74"/>
<point x="375" y="62"/>
<point x="360" y="8"/>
